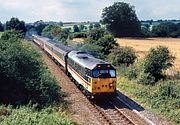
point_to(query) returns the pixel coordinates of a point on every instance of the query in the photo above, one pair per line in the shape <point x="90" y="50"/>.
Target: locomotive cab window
<point x="104" y="73"/>
<point x="112" y="73"/>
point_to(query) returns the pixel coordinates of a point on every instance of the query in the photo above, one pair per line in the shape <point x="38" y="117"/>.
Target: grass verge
<point x="28" y="115"/>
<point x="162" y="98"/>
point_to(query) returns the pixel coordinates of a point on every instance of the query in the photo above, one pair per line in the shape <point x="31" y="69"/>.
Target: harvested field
<point x="142" y="46"/>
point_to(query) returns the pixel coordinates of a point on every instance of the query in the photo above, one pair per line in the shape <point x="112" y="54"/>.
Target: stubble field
<point x="142" y="46"/>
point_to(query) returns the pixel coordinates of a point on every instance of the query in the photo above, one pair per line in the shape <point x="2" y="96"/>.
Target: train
<point x="95" y="76"/>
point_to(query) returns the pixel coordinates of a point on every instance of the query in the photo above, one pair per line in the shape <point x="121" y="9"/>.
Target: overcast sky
<point x="83" y="10"/>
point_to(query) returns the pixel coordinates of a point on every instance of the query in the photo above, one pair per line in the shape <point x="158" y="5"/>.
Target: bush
<point x="24" y="76"/>
<point x="30" y="116"/>
<point x="146" y="79"/>
<point x="122" y="55"/>
<point x="132" y="72"/>
<point x="107" y="42"/>
<point x="94" y="50"/>
<point x="11" y="35"/>
<point x="96" y="34"/>
<point x="157" y="60"/>
<point x="169" y="89"/>
<point x="80" y="35"/>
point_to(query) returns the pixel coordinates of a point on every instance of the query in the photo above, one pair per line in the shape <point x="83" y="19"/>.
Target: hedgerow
<point x="24" y="77"/>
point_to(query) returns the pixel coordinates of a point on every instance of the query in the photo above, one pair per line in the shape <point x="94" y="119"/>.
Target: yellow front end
<point x="103" y="85"/>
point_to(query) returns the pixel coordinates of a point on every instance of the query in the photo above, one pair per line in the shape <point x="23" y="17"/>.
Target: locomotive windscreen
<point x="104" y="71"/>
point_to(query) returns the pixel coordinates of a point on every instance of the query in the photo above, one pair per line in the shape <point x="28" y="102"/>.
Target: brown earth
<point x="142" y="46"/>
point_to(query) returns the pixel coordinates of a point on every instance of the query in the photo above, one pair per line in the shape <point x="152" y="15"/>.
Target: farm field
<point x="142" y="46"/>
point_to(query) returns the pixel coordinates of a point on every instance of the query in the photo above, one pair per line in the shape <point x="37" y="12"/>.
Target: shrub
<point x="157" y="60"/>
<point x="95" y="34"/>
<point x="79" y="35"/>
<point x="132" y="72"/>
<point x="122" y="55"/>
<point x="169" y="89"/>
<point x="24" y="76"/>
<point x="92" y="49"/>
<point x="146" y="79"/>
<point x="29" y="116"/>
<point x="11" y="35"/>
<point x="107" y="42"/>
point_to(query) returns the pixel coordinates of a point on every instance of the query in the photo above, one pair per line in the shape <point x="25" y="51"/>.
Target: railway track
<point x="106" y="110"/>
<point x="110" y="114"/>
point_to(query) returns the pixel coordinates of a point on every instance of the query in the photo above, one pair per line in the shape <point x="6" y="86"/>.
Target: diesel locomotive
<point x="95" y="76"/>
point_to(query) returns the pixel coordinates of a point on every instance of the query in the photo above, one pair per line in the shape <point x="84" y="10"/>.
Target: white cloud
<point x="82" y="10"/>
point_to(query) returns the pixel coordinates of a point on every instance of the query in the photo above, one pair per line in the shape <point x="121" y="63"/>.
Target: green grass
<point x="1" y="34"/>
<point x="26" y="115"/>
<point x="151" y="97"/>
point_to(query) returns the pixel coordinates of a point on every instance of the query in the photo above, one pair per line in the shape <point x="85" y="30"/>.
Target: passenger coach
<point x="96" y="76"/>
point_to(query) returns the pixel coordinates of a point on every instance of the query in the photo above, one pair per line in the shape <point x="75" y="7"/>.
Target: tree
<point x="76" y="28"/>
<point x="51" y="31"/>
<point x="81" y="27"/>
<point x="23" y="75"/>
<point x="39" y="26"/>
<point x="121" y="20"/>
<point x="94" y="50"/>
<point x="11" y="36"/>
<point x="90" y="26"/>
<point x="157" y="60"/>
<point x="167" y="29"/>
<point x="97" y="25"/>
<point x="1" y="27"/>
<point x="122" y="55"/>
<point x="16" y="24"/>
<point x="62" y="36"/>
<point x="107" y="42"/>
<point x="95" y="34"/>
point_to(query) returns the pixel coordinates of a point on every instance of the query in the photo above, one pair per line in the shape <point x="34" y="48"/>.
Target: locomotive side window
<point x="95" y="73"/>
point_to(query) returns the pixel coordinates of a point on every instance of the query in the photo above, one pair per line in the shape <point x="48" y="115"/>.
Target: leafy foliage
<point x="28" y="116"/>
<point x="76" y="28"/>
<point x="39" y="26"/>
<point x="62" y="37"/>
<point x="157" y="60"/>
<point x="23" y="75"/>
<point x="80" y="35"/>
<point x="162" y="98"/>
<point x="122" y="55"/>
<point x="51" y="31"/>
<point x="15" y="24"/>
<point x="121" y="20"/>
<point x="11" y="35"/>
<point x="166" y="30"/>
<point x="94" y="50"/>
<point x="90" y="26"/>
<point x="107" y="42"/>
<point x="1" y="27"/>
<point x="96" y="34"/>
<point x="56" y="33"/>
<point x="97" y="25"/>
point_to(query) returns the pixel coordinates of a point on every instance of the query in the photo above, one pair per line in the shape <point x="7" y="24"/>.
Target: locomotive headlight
<point x="111" y="84"/>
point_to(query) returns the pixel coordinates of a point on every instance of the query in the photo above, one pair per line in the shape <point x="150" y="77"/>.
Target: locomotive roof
<point x="84" y="59"/>
<point x="63" y="47"/>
